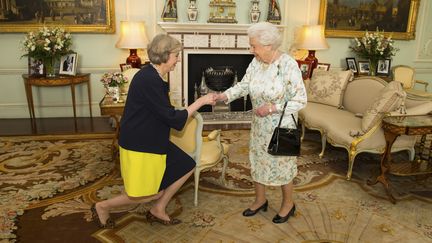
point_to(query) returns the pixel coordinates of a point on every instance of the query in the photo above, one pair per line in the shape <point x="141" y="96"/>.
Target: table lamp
<point x="312" y="39"/>
<point x="132" y="36"/>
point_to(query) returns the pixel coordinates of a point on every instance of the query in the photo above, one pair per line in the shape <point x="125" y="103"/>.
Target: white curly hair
<point x="266" y="34"/>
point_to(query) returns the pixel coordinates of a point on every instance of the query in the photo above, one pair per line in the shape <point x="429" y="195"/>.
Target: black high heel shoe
<point x="279" y="219"/>
<point x="249" y="212"/>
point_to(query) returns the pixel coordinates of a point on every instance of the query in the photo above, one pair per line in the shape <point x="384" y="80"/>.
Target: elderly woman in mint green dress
<point x="272" y="78"/>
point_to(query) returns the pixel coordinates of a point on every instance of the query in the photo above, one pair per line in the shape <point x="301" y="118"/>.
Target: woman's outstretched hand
<point x="208" y="99"/>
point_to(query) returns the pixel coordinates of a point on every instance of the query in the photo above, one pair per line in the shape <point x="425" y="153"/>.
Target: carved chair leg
<point x="196" y="175"/>
<point x="351" y="158"/>
<point x="225" y="164"/>
<point x="323" y="144"/>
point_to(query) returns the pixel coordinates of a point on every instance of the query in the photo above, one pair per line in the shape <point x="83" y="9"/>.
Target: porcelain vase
<point x="255" y="13"/>
<point x="192" y="11"/>
<point x="114" y="93"/>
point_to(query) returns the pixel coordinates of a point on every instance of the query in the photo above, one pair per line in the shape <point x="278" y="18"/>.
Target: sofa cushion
<point x="361" y="92"/>
<point x="327" y="87"/>
<point x="390" y="98"/>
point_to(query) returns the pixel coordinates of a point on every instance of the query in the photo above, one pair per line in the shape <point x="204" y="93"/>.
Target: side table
<point x="393" y="127"/>
<point x="114" y="110"/>
<point x="71" y="81"/>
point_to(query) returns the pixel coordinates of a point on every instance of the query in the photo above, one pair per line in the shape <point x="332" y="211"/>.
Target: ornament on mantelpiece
<point x="169" y="12"/>
<point x="255" y="12"/>
<point x="192" y="11"/>
<point x="222" y="11"/>
<point x="274" y="14"/>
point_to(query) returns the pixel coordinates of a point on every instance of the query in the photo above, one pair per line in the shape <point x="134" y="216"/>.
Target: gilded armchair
<point x="207" y="152"/>
<point x="406" y="75"/>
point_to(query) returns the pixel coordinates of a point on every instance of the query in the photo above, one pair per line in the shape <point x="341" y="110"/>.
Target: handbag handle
<point x="283" y="112"/>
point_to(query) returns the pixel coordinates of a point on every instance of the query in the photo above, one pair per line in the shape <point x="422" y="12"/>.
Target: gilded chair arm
<point x="423" y="83"/>
<point x="213" y="135"/>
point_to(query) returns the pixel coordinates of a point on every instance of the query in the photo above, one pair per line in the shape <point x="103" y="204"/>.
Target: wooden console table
<point x="395" y="126"/>
<point x="114" y="110"/>
<point x="71" y="81"/>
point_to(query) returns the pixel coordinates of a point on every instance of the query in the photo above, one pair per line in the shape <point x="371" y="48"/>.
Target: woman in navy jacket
<point x="152" y="167"/>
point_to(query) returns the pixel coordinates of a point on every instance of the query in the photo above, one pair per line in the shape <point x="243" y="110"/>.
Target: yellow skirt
<point x="141" y="172"/>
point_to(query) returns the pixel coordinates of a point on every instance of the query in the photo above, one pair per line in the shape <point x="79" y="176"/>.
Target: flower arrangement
<point x="374" y="46"/>
<point x="113" y="79"/>
<point x="48" y="44"/>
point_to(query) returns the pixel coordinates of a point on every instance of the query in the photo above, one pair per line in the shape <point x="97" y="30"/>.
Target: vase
<point x="114" y="93"/>
<point x="49" y="64"/>
<point x="255" y="12"/>
<point x="373" y="63"/>
<point x="192" y="11"/>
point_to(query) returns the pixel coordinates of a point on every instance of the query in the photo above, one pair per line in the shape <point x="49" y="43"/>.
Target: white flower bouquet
<point x="374" y="46"/>
<point x="47" y="43"/>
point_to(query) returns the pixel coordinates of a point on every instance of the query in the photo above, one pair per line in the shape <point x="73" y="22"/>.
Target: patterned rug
<point x="49" y="183"/>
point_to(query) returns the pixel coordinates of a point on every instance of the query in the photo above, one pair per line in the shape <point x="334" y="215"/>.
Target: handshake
<point x="212" y="98"/>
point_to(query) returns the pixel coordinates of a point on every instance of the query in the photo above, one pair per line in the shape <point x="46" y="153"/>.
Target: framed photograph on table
<point x="352" y="18"/>
<point x="364" y="67"/>
<point x="383" y="67"/>
<point x="74" y="16"/>
<point x="124" y="67"/>
<point x="35" y="67"/>
<point x="323" y="66"/>
<point x="351" y="64"/>
<point x="68" y="64"/>
<point x="305" y="68"/>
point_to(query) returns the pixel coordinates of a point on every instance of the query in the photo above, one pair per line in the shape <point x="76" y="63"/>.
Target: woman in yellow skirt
<point x="152" y="167"/>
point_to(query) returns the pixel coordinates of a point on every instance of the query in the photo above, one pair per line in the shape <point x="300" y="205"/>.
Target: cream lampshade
<point x="133" y="36"/>
<point x="312" y="39"/>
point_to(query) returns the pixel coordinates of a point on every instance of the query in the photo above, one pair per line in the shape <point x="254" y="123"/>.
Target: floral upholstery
<point x="337" y="126"/>
<point x="327" y="87"/>
<point x="391" y="98"/>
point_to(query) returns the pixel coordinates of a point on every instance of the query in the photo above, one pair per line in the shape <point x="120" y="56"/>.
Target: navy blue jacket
<point x="148" y="114"/>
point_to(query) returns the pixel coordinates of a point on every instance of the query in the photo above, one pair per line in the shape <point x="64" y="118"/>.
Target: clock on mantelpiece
<point x="222" y="11"/>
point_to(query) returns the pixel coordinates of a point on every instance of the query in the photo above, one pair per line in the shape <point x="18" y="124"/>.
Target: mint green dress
<point x="275" y="83"/>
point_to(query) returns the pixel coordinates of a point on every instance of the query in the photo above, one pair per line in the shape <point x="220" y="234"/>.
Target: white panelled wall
<point x="98" y="54"/>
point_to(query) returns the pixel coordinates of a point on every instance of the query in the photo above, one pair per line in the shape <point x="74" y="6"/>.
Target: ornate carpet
<point x="48" y="184"/>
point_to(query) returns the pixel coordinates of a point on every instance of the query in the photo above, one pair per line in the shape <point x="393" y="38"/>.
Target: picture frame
<point x="124" y="66"/>
<point x="68" y="64"/>
<point x="383" y="67"/>
<point x="323" y="66"/>
<point x="35" y="67"/>
<point x="364" y="67"/>
<point x="305" y="68"/>
<point x="32" y="15"/>
<point x="351" y="64"/>
<point x="399" y="21"/>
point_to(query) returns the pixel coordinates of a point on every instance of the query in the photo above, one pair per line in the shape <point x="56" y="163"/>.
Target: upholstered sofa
<point x="348" y="111"/>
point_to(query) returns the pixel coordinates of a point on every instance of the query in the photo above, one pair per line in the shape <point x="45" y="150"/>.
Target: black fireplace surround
<point x="197" y="63"/>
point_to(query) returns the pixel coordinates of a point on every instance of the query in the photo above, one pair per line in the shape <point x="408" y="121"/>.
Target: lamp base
<point x="133" y="59"/>
<point x="311" y="58"/>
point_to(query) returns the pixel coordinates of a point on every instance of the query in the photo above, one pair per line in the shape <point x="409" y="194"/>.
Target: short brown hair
<point x="160" y="48"/>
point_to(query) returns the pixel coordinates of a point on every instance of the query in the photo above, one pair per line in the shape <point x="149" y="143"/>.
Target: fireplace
<point x="198" y="63"/>
<point x="204" y="46"/>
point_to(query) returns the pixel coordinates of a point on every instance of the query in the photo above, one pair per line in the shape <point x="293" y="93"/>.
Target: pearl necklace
<point x="266" y="65"/>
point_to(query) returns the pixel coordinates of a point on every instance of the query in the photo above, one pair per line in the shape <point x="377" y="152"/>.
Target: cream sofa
<point x="339" y="113"/>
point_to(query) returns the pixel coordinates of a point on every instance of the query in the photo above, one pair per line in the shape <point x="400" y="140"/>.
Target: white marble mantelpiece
<point x="203" y="38"/>
<point x="172" y="27"/>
